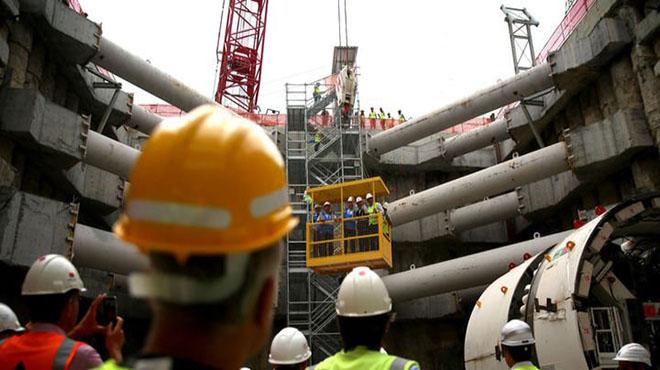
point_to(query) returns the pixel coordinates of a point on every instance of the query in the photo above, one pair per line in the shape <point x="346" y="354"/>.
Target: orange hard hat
<point x="207" y="183"/>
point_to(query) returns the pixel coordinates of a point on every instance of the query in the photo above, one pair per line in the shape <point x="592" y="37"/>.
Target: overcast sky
<point x="414" y="55"/>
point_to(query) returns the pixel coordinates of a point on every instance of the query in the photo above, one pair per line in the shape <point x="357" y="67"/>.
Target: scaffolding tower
<point x="321" y="148"/>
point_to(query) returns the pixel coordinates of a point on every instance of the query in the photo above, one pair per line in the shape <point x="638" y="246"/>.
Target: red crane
<point x="242" y="54"/>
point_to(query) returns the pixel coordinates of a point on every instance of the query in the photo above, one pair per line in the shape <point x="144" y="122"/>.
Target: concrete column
<point x="144" y="75"/>
<point x="107" y="154"/>
<point x="475" y="139"/>
<point x="510" y="90"/>
<point x="143" y="120"/>
<point x="101" y="250"/>
<point x="464" y="272"/>
<point x="525" y="169"/>
<point x="483" y="213"/>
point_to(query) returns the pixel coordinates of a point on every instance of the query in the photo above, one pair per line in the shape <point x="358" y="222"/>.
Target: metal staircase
<point x="337" y="158"/>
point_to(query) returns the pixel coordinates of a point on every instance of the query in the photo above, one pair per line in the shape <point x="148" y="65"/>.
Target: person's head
<point x="517" y="339"/>
<point x="327" y="207"/>
<point x="369" y="198"/>
<point x="51" y="290"/>
<point x="372" y="109"/>
<point x="359" y="201"/>
<point x="211" y="229"/>
<point x="317" y="84"/>
<point x="381" y="109"/>
<point x="317" y="208"/>
<point x="633" y="356"/>
<point x="362" y="112"/>
<point x="289" y="350"/>
<point x="363" y="309"/>
<point x="399" y="111"/>
<point x="9" y="325"/>
<point x="349" y="202"/>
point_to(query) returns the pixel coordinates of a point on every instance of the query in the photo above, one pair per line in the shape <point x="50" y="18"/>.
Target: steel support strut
<point x="508" y="91"/>
<point x="515" y="172"/>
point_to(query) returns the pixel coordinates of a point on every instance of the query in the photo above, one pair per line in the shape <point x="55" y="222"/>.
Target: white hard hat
<point x="358" y="199"/>
<point x="369" y="196"/>
<point x="362" y="293"/>
<point x="633" y="352"/>
<point x="383" y="351"/>
<point x="8" y="320"/>
<point x="51" y="274"/>
<point x="326" y="203"/>
<point x="289" y="347"/>
<point x="516" y="333"/>
<point x="350" y="199"/>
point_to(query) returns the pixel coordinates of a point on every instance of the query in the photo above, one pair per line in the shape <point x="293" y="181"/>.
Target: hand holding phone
<point x="107" y="311"/>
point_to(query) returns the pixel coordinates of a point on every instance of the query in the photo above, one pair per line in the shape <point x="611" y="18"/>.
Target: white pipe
<point x="508" y="91"/>
<point x="475" y="139"/>
<point x="110" y="155"/>
<point x="143" y="120"/>
<point x="464" y="272"/>
<point x="518" y="171"/>
<point x="101" y="250"/>
<point x="144" y="75"/>
<point x="483" y="213"/>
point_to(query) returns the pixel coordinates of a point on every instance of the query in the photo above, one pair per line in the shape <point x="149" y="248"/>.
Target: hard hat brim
<point x="293" y="362"/>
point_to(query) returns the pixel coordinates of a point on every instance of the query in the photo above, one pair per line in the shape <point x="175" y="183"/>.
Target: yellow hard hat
<point x="207" y="183"/>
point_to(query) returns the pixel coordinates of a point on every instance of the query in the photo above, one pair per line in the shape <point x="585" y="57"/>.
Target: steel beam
<point x="485" y="212"/>
<point x="101" y="250"/>
<point x="464" y="272"/>
<point x="518" y="171"/>
<point x="475" y="139"/>
<point x="141" y="73"/>
<point x="508" y="91"/>
<point x="110" y="155"/>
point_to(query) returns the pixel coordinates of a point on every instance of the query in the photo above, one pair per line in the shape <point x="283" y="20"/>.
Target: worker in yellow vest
<point x="517" y="342"/>
<point x="402" y="118"/>
<point x="364" y="311"/>
<point x="316" y="93"/>
<point x="373" y="208"/>
<point x="213" y="233"/>
<point x="382" y="117"/>
<point x="372" y="118"/>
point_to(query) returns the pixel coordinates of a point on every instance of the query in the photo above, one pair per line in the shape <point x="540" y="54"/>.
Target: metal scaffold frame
<point x="336" y="157"/>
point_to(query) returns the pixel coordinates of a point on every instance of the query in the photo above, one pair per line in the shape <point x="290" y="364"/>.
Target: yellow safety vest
<point x="317" y="90"/>
<point x="372" y="115"/>
<point x="317" y="138"/>
<point x="372" y="211"/>
<point x="402" y="118"/>
<point x="362" y="358"/>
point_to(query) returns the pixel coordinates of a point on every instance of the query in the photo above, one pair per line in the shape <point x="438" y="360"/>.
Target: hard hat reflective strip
<point x="178" y="214"/>
<point x="265" y="204"/>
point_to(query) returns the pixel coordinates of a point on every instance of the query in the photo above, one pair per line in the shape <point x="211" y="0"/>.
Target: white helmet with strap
<point x="362" y="293"/>
<point x="516" y="333"/>
<point x="8" y="320"/>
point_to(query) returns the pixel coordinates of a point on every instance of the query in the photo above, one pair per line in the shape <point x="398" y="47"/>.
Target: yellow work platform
<point x="337" y="244"/>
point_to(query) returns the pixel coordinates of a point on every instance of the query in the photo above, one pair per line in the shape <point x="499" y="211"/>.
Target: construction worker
<point x="317" y="140"/>
<point x="327" y="229"/>
<point x="362" y="118"/>
<point x="9" y="325"/>
<point x="372" y="118"/>
<point x="350" y="226"/>
<point x="517" y="340"/>
<point x="633" y="356"/>
<point x="317" y="92"/>
<point x="212" y="230"/>
<point x="381" y="117"/>
<point x="373" y="208"/>
<point x="363" y="314"/>
<point x="362" y="223"/>
<point x="316" y="228"/>
<point x="289" y="350"/>
<point x="402" y="118"/>
<point x="51" y="290"/>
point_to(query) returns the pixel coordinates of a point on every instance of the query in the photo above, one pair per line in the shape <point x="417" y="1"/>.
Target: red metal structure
<point x="242" y="54"/>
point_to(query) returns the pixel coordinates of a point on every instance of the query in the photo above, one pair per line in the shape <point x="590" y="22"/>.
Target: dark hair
<point x="363" y="331"/>
<point x="519" y="353"/>
<point x="47" y="308"/>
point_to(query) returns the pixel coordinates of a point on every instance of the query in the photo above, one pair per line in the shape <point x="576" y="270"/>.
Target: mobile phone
<point x="107" y="311"/>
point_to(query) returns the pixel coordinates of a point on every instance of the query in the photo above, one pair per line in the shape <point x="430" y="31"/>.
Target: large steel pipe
<point x="475" y="139"/>
<point x="110" y="155"/>
<point x="508" y="91"/>
<point x="464" y="272"/>
<point x="144" y="75"/>
<point x="143" y="120"/>
<point x="485" y="212"/>
<point x="101" y="250"/>
<point x="518" y="171"/>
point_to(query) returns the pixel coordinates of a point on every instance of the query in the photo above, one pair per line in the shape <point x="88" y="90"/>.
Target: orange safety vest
<point x="37" y="351"/>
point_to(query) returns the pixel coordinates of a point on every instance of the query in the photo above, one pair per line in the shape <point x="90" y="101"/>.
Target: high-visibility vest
<point x="38" y="350"/>
<point x="372" y="115"/>
<point x="524" y="366"/>
<point x="372" y="210"/>
<point x="402" y="118"/>
<point x="363" y="359"/>
<point x="317" y="138"/>
<point x="317" y="90"/>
